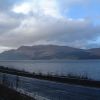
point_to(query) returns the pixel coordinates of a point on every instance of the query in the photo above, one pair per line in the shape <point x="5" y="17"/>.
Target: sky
<point x="74" y="23"/>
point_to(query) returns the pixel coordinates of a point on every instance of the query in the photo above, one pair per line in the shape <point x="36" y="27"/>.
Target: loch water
<point x="91" y="68"/>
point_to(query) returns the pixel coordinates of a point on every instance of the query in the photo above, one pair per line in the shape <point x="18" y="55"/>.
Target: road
<point x="55" y="91"/>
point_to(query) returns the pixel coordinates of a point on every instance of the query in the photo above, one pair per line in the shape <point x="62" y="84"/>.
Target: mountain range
<point x="49" y="52"/>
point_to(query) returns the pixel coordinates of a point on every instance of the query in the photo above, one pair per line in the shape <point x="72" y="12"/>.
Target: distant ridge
<point x="40" y="52"/>
<point x="95" y="51"/>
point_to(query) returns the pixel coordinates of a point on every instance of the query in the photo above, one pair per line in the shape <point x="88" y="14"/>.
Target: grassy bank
<point x="69" y="79"/>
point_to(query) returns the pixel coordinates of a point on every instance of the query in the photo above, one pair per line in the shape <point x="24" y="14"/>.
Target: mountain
<point x="47" y="52"/>
<point x="95" y="51"/>
<point x="13" y="55"/>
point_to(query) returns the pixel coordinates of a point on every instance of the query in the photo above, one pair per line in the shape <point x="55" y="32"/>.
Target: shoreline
<point x="70" y="79"/>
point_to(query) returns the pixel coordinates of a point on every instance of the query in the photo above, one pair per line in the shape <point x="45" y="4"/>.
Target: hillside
<point x="47" y="52"/>
<point x="95" y="51"/>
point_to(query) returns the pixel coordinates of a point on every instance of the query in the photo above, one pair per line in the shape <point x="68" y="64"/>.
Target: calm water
<point x="89" y="67"/>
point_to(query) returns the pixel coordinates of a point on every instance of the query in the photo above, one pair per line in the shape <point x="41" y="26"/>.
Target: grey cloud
<point x="20" y="29"/>
<point x="69" y="32"/>
<point x="7" y="23"/>
<point x="6" y="4"/>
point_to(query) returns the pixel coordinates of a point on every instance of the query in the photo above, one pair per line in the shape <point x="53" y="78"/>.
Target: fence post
<point x="17" y="82"/>
<point x="4" y="79"/>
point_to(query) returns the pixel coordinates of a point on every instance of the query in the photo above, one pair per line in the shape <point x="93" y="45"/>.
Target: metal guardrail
<point x="47" y="90"/>
<point x="15" y="82"/>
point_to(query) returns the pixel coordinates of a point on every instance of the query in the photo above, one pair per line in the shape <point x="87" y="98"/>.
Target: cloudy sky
<point x="65" y="22"/>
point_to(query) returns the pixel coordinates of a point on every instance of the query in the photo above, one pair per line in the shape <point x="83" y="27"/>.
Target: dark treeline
<point x="69" y="79"/>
